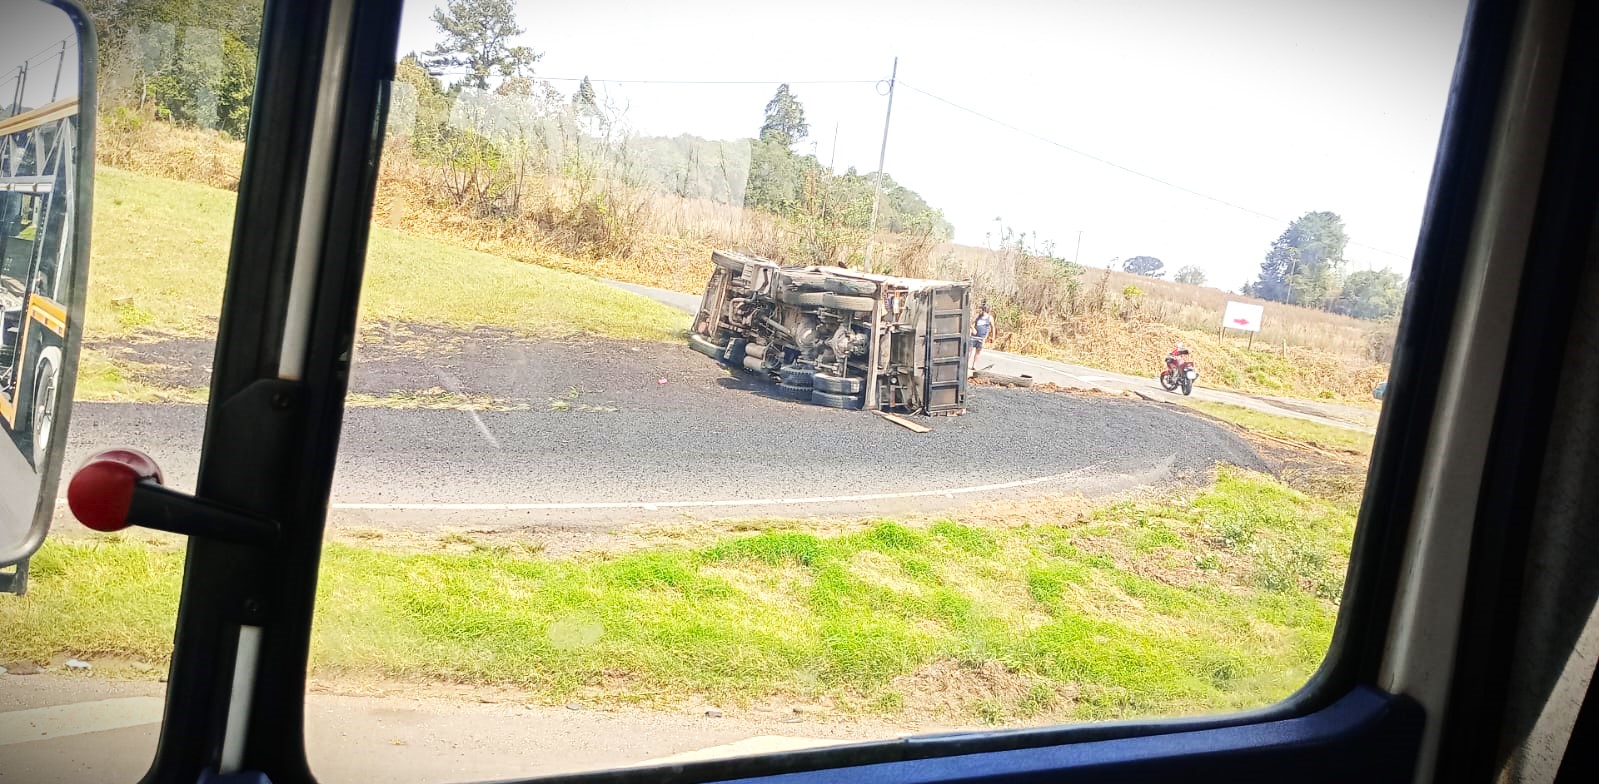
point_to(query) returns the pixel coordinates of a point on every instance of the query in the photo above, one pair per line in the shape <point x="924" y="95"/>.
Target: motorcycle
<point x="1179" y="373"/>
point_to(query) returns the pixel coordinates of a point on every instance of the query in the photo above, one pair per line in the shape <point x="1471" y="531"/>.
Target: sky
<point x="33" y="32"/>
<point x="1277" y="107"/>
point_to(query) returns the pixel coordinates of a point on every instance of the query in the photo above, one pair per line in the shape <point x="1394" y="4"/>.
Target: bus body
<point x="37" y="151"/>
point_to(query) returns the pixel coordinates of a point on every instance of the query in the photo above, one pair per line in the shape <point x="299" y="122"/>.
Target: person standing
<point x="982" y="328"/>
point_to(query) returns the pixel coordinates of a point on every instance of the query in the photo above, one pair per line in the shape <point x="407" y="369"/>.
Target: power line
<point x="673" y="81"/>
<point x="1115" y="165"/>
<point x="52" y="49"/>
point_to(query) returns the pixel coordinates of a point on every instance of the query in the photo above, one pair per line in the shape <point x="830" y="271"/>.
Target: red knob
<point x="102" y="489"/>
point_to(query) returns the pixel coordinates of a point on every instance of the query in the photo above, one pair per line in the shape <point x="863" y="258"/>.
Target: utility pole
<point x="1077" y="255"/>
<point x="877" y="193"/>
<point x="832" y="157"/>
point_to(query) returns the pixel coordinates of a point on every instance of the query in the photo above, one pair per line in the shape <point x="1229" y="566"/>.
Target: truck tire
<point x="846" y="302"/>
<point x="795" y="392"/>
<point x="706" y="346"/>
<point x="804" y="299"/>
<point x="834" y="400"/>
<point x="859" y="288"/>
<point x="838" y="385"/>
<point x="806" y="281"/>
<point x="1005" y="379"/>
<point x="797" y="375"/>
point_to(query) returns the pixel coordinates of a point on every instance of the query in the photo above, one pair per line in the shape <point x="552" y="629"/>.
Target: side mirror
<point x="47" y="110"/>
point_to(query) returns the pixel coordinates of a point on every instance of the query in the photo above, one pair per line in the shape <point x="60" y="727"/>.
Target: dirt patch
<point x="953" y="691"/>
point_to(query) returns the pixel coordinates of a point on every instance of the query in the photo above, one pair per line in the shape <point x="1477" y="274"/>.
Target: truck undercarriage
<point x="837" y="337"/>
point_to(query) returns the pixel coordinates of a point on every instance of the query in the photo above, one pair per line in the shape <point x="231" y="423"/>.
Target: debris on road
<point x="914" y="427"/>
<point x="78" y="664"/>
<point x="713" y="713"/>
<point x="1004" y="379"/>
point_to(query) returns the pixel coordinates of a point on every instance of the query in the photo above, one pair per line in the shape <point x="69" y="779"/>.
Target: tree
<point x="477" y="37"/>
<point x="1304" y="264"/>
<point x="1374" y="294"/>
<point x="1148" y="266"/>
<point x="785" y="119"/>
<point x="1190" y="274"/>
<point x="583" y="99"/>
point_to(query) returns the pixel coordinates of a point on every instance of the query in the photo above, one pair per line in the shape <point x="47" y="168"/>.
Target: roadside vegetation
<point x="1300" y="431"/>
<point x="1210" y="600"/>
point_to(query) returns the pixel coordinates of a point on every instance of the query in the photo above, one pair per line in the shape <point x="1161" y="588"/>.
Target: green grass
<point x="1219" y="601"/>
<point x="102" y="378"/>
<point x="1293" y="429"/>
<point x="160" y="254"/>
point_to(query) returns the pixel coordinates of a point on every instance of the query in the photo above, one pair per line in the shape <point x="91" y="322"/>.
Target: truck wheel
<point x="859" y="288"/>
<point x="44" y="410"/>
<point x="795" y="391"/>
<point x="839" y="385"/>
<point x="706" y="346"/>
<point x="809" y="281"/>
<point x="834" y="400"/>
<point x="797" y="375"/>
<point x="845" y="302"/>
<point x="803" y="299"/>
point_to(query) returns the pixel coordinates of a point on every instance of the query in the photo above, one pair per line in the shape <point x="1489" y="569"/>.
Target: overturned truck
<point x="836" y="337"/>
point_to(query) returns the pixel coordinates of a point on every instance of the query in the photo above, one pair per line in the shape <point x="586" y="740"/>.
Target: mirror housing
<point x="47" y="113"/>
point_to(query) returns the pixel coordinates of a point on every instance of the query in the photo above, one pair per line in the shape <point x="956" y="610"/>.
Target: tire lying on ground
<point x="860" y="288"/>
<point x="833" y="400"/>
<point x="706" y="346"/>
<point x="837" y="385"/>
<point x="797" y="375"/>
<point x="795" y="391"/>
<point x="1005" y="379"/>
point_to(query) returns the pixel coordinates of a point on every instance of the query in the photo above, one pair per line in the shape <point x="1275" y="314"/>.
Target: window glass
<point x="602" y="492"/>
<point x="85" y="651"/>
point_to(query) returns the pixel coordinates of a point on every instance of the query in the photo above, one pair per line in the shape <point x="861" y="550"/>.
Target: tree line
<point x="1305" y="266"/>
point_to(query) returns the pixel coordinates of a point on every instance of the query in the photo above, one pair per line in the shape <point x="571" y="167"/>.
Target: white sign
<point x="1242" y="315"/>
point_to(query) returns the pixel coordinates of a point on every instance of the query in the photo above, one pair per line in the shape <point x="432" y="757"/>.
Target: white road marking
<point x="59" y="721"/>
<point x="725" y="502"/>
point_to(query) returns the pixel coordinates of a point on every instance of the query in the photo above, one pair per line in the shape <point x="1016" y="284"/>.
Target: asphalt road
<point x="601" y="432"/>
<point x="581" y="431"/>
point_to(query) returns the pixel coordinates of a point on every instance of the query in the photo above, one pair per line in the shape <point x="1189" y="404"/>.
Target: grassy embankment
<point x="1211" y="600"/>
<point x="160" y="256"/>
<point x="1302" y="352"/>
<point x="1314" y="434"/>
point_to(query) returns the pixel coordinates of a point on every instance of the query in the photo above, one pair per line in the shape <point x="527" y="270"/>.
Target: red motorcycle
<point x="1180" y="372"/>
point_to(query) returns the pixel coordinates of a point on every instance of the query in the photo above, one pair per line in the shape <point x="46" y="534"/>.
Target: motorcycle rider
<point x="1175" y="356"/>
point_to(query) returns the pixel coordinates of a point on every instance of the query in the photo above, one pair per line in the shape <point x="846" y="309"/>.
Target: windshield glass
<point x="737" y="378"/>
